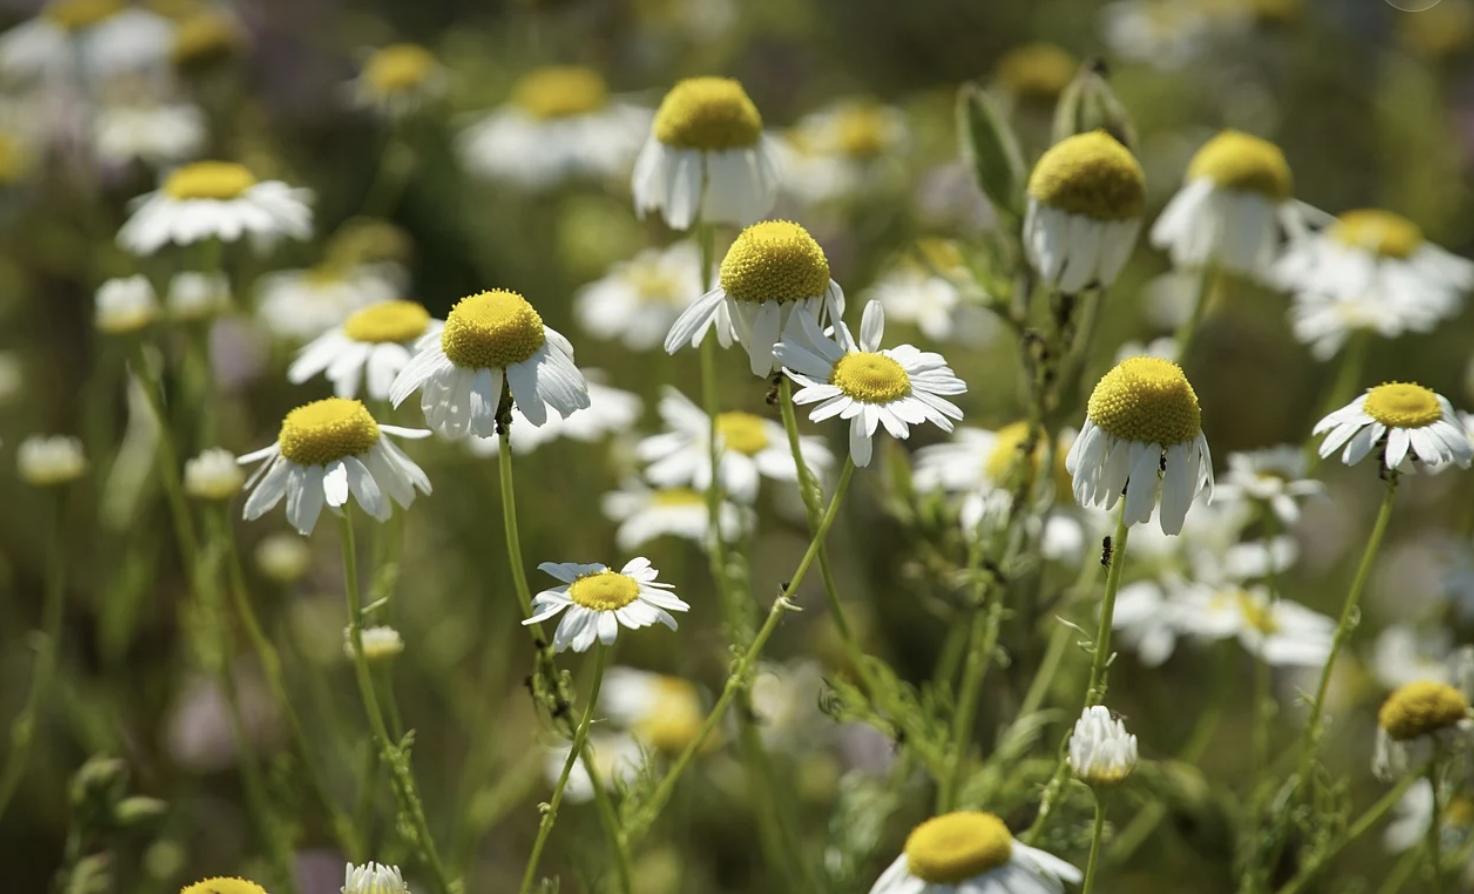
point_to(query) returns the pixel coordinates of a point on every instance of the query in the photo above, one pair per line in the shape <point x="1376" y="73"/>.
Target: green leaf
<point x="991" y="147"/>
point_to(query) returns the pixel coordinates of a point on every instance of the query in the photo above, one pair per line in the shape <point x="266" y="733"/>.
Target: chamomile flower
<point x="125" y="305"/>
<point x="373" y="344"/>
<point x="1408" y="423"/>
<point x="611" y="411"/>
<point x="618" y="758"/>
<point x="639" y="299"/>
<point x="197" y="296"/>
<point x="1101" y="751"/>
<point x="706" y="159"/>
<point x="1036" y="72"/>
<point x="938" y="306"/>
<point x="158" y="134"/>
<point x="1281" y="632"/>
<point x="398" y="79"/>
<point x="1272" y="477"/>
<point x="1085" y="202"/>
<point x="224" y="886"/>
<point x="1403" y="654"/>
<point x="645" y="514"/>
<point x="214" y="475"/>
<point x="870" y="386"/>
<point x="750" y="448"/>
<point x="849" y="147"/>
<point x="661" y="711"/>
<point x="298" y="305"/>
<point x="1411" y="815"/>
<point x="373" y="878"/>
<point x="1166" y="34"/>
<point x="595" y="600"/>
<point x="98" y="39"/>
<point x="1145" y="621"/>
<point x="1233" y="208"/>
<point x="490" y="338"/>
<point x="326" y="451"/>
<point x="1142" y="436"/>
<point x="380" y="643"/>
<point x="972" y="851"/>
<point x="216" y="200"/>
<point x="559" y="123"/>
<point x="1325" y="322"/>
<point x="1415" y="721"/>
<point x="976" y="459"/>
<point x="44" y="461"/>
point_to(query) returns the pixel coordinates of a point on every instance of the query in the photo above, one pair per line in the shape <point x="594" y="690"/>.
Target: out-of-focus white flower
<point x="158" y="135"/>
<point x="1272" y="477"/>
<point x="1402" y="655"/>
<point x="1086" y="195"/>
<point x="644" y="514"/>
<point x="661" y="711"/>
<point x="936" y="305"/>
<point x="639" y="299"/>
<point x="373" y="878"/>
<point x="379" y="643"/>
<point x="44" y="461"/>
<point x="1101" y="751"/>
<point x="1416" y="720"/>
<point x="1166" y="34"/>
<point x="617" y="758"/>
<point x="125" y="305"/>
<point x="1165" y="348"/>
<point x="398" y="79"/>
<point x="1145" y="622"/>
<point x="845" y="148"/>
<point x="301" y="304"/>
<point x="611" y="411"/>
<point x="1325" y="322"/>
<point x="197" y="296"/>
<point x="97" y="39"/>
<point x="213" y="475"/>
<point x="283" y="557"/>
<point x="1279" y="631"/>
<point x="220" y="200"/>
<point x="373" y="344"/>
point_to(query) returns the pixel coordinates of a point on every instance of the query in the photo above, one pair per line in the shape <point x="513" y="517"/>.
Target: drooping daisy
<point x="851" y="146"/>
<point x="611" y="411"/>
<point x="1273" y="477"/>
<point x="327" y="450"/>
<point x="595" y="600"/>
<point x="973" y="852"/>
<point x="1281" y="632"/>
<point x="870" y="386"/>
<point x="1326" y="323"/>
<point x="398" y="79"/>
<point x="661" y="711"/>
<point x="749" y="446"/>
<point x="558" y="124"/>
<point x="706" y="159"/>
<point x="639" y="299"/>
<point x="373" y="343"/>
<point x="224" y="886"/>
<point x="97" y="39"/>
<point x="125" y="305"/>
<point x="1142" y="436"/>
<point x="1101" y="751"/>
<point x="645" y="515"/>
<point x="1085" y="201"/>
<point x="158" y="134"/>
<point x="1404" y="654"/>
<point x="373" y="878"/>
<point x="773" y="272"/>
<point x="1234" y="207"/>
<point x="1417" y="719"/>
<point x="220" y="200"/>
<point x="489" y="338"/>
<point x="298" y="305"/>
<point x="1409" y="423"/>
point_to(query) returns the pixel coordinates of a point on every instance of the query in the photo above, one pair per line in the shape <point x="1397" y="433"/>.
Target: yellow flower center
<point x="1235" y="160"/>
<point x="1037" y="71"/>
<point x="775" y="260"/>
<point x="1403" y="405"/>
<point x="327" y="430"/>
<point x="1421" y="708"/>
<point x="710" y="114"/>
<point x="742" y="432"/>
<point x="653" y="285"/>
<point x="678" y="496"/>
<point x="492" y="330"/>
<point x="364" y="240"/>
<point x="870" y="378"/>
<point x="399" y="68"/>
<point x="1090" y="174"/>
<point x="1004" y="458"/>
<point x="560" y="91"/>
<point x="1256" y="613"/>
<point x="863" y="130"/>
<point x="74" y="15"/>
<point x="224" y="886"/>
<point x="674" y="717"/>
<point x="949" y="849"/>
<point x="1379" y="232"/>
<point x="604" y="591"/>
<point x="209" y="180"/>
<point x="1148" y="400"/>
<point x="392" y="321"/>
<point x="941" y="255"/>
<point x="204" y="38"/>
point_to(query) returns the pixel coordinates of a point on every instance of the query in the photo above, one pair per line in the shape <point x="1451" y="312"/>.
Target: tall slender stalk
<point x="1434" y="837"/>
<point x="981" y="641"/>
<point x="169" y="466"/>
<point x="1357" y="829"/>
<point x="1188" y="331"/>
<point x="1096" y="833"/>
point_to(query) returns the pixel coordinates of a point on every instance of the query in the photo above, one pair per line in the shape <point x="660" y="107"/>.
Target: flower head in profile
<point x="1407" y="423"/>
<point x="611" y="412"/>
<point x="373" y="878"/>
<point x="299" y="305"/>
<point x="125" y="305"/>
<point x="1085" y="202"/>
<point x="972" y="851"/>
<point x="489" y="339"/>
<point x="50" y="461"/>
<point x="646" y="514"/>
<point x="706" y="159"/>
<point x="214" y="475"/>
<point x="1036" y="72"/>
<point x="1272" y="477"/>
<point x="639" y="299"/>
<point x="216" y="200"/>
<point x="398" y="79"/>
<point x="328" y="450"/>
<point x="374" y="345"/>
<point x="1101" y="751"/>
<point x="595" y="601"/>
<point x="1415" y="721"/>
<point x="380" y="643"/>
<point x="866" y="384"/>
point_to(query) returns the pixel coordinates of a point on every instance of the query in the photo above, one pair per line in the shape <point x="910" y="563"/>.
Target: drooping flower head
<point x="223" y="886"/>
<point x="972" y="851"/>
<point x="1417" y="719"/>
<point x="1085" y="202"/>
<point x="1410" y="423"/>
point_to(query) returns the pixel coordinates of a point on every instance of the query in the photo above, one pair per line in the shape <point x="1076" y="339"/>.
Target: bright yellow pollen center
<point x="392" y="321"/>
<point x="74" y="15"/>
<point x="674" y="717"/>
<point x="1380" y="232"/>
<point x="203" y="37"/>
<point x="1238" y="161"/>
<point x="560" y="91"/>
<point x="1092" y="175"/>
<point x="678" y="496"/>
<point x="710" y="114"/>
<point x="742" y="432"/>
<point x="1403" y="405"/>
<point x="224" y="886"/>
<point x="863" y="130"/>
<point x="1037" y="71"/>
<point x="327" y="430"/>
<point x="604" y="591"/>
<point x="870" y="378"/>
<point x="775" y="260"/>
<point x="1418" y="709"/>
<point x="492" y="330"/>
<point x="955" y="847"/>
<point x="1146" y="399"/>
<point x="399" y="68"/>
<point x="209" y="180"/>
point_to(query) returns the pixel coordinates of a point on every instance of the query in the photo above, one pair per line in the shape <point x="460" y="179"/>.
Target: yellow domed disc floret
<point x="492" y="330"/>
<point x="560" y="91"/>
<point x="1403" y="405"/>
<point x="954" y="847"/>
<point x="224" y="886"/>
<point x="673" y="718"/>
<point x="1037" y="71"/>
<point x="1236" y="160"/>
<point x="775" y="260"/>
<point x="604" y="591"/>
<point x="74" y="15"/>
<point x="399" y="68"/>
<point x="742" y="432"/>
<point x="711" y="114"/>
<point x="1147" y="400"/>
<point x="1008" y="443"/>
<point x="1380" y="232"/>
<point x="1421" y="708"/>
<point x="862" y="130"/>
<point x="327" y="430"/>
<point x="1092" y="175"/>
<point x="870" y="378"/>
<point x="391" y="321"/>
<point x="222" y="180"/>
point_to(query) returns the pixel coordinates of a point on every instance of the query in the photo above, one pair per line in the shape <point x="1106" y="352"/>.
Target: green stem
<point x="1188" y="331"/>
<point x="981" y="640"/>
<point x="1096" y="833"/>
<point x="1434" y="837"/>
<point x="169" y="466"/>
<point x="1353" y="832"/>
<point x="1343" y="387"/>
<point x="1406" y="865"/>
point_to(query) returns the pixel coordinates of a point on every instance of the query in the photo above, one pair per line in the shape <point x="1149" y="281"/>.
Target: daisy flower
<point x="326" y="451"/>
<point x="849" y="147"/>
<point x="972" y="851"/>
<point x="1402" y="654"/>
<point x="1272" y="477"/>
<point x="398" y="79"/>
<point x="1142" y="436"/>
<point x="661" y="711"/>
<point x="224" y="886"/>
<point x="706" y="159"/>
<point x="216" y="200"/>
<point x="374" y="343"/>
<point x="639" y="299"/>
<point x="213" y="475"/>
<point x="870" y="386"/>
<point x="1085" y="201"/>
<point x="1233" y="207"/>
<point x="491" y="338"/>
<point x="1145" y="620"/>
<point x="1407" y="423"/>
<point x="617" y="756"/>
<point x="1281" y="632"/>
<point x="197" y="296"/>
<point x="380" y="643"/>
<point x="125" y="305"/>
<point x="750" y="448"/>
<point x="1325" y="323"/>
<point x="936" y="305"/>
<point x="298" y="305"/>
<point x="159" y="134"/>
<point x="373" y="878"/>
<point x="1036" y="72"/>
<point x="1417" y="720"/>
<point x="50" y="461"/>
<point x="1101" y="751"/>
<point x="595" y="600"/>
<point x="100" y="39"/>
<point x="558" y="124"/>
<point x="645" y="515"/>
<point x="610" y="411"/>
<point x="976" y="460"/>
